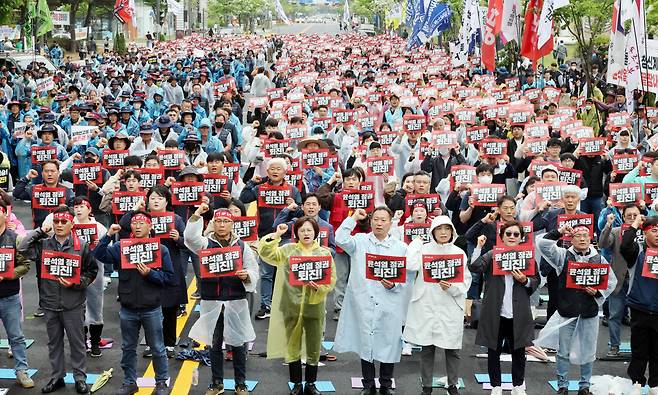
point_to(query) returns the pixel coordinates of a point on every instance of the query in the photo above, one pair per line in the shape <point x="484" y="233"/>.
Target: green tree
<point x="220" y="11"/>
<point x="9" y="9"/>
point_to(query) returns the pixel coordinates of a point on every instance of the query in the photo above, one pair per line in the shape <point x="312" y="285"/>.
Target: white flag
<point x="635" y="46"/>
<point x="511" y="15"/>
<point x="545" y="28"/>
<point x="469" y="33"/>
<point x="281" y="13"/>
<point x="346" y="13"/>
<point x="617" y="47"/>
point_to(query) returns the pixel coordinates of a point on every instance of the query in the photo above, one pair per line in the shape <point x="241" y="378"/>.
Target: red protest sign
<point x="56" y="264"/>
<point x="172" y="159"/>
<point x="623" y="194"/>
<point x="273" y="147"/>
<point x="232" y="171"/>
<point x="367" y="121"/>
<point x="91" y="172"/>
<point x="570" y="176"/>
<point x="325" y="122"/>
<point x="536" y="130"/>
<point x="465" y="116"/>
<point x="536" y="146"/>
<point x="645" y="168"/>
<point x="385" y="267"/>
<point x="306" y="269"/>
<point x="295" y="178"/>
<point x="549" y="191"/>
<point x="42" y="154"/>
<point x="380" y="166"/>
<point x="220" y="262"/>
<point x="215" y="184"/>
<point x="509" y="258"/>
<point x="47" y="198"/>
<point x="294" y="132"/>
<point x="7" y="257"/>
<point x="443" y="138"/>
<point x="151" y="177"/>
<point x="113" y="159"/>
<point x="487" y="194"/>
<point x="273" y="196"/>
<point x="359" y="199"/>
<point x="650" y="192"/>
<point x="162" y="223"/>
<point x="246" y="228"/>
<point x="591" y="146"/>
<point x="412" y="231"/>
<point x="584" y="274"/>
<point x="650" y="267"/>
<point x="462" y="174"/>
<point x="146" y="251"/>
<point x="476" y="133"/>
<point x="494" y="148"/>
<point x="414" y="123"/>
<point x="124" y="201"/>
<point x="315" y="158"/>
<point x="431" y="201"/>
<point x="346" y="117"/>
<point x="187" y="193"/>
<point x="624" y="163"/>
<point x="449" y="268"/>
<point x="386" y="138"/>
<point x="86" y="232"/>
<point x="520" y="115"/>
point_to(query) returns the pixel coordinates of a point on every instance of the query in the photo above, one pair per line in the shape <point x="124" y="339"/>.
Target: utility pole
<point x="158" y="20"/>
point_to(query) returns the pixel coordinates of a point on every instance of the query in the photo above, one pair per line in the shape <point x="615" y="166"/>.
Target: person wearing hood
<point x="506" y="314"/>
<point x="224" y="299"/>
<point x="165" y="130"/>
<point x="158" y="105"/>
<point x="315" y="176"/>
<point x="209" y="142"/>
<point x="145" y="143"/>
<point x="576" y="320"/>
<point x="297" y="323"/>
<point x="194" y="155"/>
<point x="126" y="119"/>
<point x="405" y="148"/>
<point x="436" y="311"/>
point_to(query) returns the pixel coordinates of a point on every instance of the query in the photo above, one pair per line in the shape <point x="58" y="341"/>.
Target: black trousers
<point x="552" y="286"/>
<point x="385" y="374"/>
<point x="644" y="347"/>
<point x="169" y="317"/>
<point x="506" y="333"/>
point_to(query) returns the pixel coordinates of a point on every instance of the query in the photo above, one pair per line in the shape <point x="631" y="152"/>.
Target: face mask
<point x="89" y="159"/>
<point x="190" y="146"/>
<point x="219" y="125"/>
<point x="485" y="179"/>
<point x="588" y="108"/>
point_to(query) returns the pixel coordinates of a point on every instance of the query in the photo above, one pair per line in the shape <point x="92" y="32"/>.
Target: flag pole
<point x="640" y="60"/>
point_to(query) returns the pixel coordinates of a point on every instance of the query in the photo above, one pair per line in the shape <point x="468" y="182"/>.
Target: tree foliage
<point x="221" y="9"/>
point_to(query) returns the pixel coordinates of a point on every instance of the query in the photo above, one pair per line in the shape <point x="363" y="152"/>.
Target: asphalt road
<point x="307" y="28"/>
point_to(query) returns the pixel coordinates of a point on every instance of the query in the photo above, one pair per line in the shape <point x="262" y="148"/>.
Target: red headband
<point x="648" y="228"/>
<point x="580" y="228"/>
<point x="63" y="215"/>
<point x="420" y="205"/>
<point x="3" y="210"/>
<point x="86" y="203"/>
<point x="140" y="218"/>
<point x="223" y="213"/>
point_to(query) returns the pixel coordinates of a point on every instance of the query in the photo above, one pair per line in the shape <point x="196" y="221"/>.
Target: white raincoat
<point x="435" y="316"/>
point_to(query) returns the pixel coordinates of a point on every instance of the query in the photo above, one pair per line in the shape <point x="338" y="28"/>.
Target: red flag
<point x="493" y="24"/>
<point x="122" y="11"/>
<point x="529" y="44"/>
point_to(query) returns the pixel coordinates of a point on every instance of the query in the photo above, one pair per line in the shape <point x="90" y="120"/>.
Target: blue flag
<point x="436" y="19"/>
<point x="411" y="12"/>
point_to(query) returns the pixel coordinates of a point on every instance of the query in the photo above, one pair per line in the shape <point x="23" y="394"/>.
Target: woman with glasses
<point x="506" y="311"/>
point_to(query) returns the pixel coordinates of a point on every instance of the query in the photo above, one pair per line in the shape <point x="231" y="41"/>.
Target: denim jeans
<point x="217" y="356"/>
<point x="617" y="308"/>
<point x="10" y="314"/>
<point x="592" y="205"/>
<point x="151" y="320"/>
<point x="267" y="273"/>
<point x="185" y="257"/>
<point x="566" y="334"/>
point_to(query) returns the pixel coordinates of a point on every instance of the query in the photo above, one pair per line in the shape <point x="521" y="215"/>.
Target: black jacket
<point x="11" y="287"/>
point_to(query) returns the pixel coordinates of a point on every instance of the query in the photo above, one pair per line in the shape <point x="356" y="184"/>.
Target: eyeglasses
<point x="223" y="221"/>
<point x="513" y="234"/>
<point x="60" y="221"/>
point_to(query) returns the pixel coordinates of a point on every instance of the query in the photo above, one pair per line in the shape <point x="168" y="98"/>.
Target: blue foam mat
<point x="91" y="378"/>
<point x="322" y="386"/>
<point x="114" y="274"/>
<point x="4" y="343"/>
<point x="197" y="308"/>
<point x="573" y="385"/>
<point x="437" y="383"/>
<point x="229" y="384"/>
<point x="327" y="345"/>
<point x="10" y="374"/>
<point x="484" y="378"/>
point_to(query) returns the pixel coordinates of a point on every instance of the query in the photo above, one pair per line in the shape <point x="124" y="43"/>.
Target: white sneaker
<point x="637" y="389"/>
<point x="406" y="349"/>
<point x="496" y="391"/>
<point x="653" y="391"/>
<point x="518" y="390"/>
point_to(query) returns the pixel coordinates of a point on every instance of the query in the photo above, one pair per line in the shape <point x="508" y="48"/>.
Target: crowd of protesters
<point x="330" y="176"/>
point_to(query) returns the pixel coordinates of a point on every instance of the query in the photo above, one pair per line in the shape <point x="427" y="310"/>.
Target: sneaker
<point x="563" y="391"/>
<point x="613" y="352"/>
<point x="95" y="351"/>
<point x="24" y="380"/>
<point x="297" y="389"/>
<point x="452" y="390"/>
<point x="196" y="295"/>
<point x="161" y="388"/>
<point x="496" y="391"/>
<point x="584" y="391"/>
<point x="216" y="389"/>
<point x="181" y="313"/>
<point x="241" y="389"/>
<point x="518" y="390"/>
<point x="310" y="389"/>
<point x="106" y="281"/>
<point x="10" y="353"/>
<point x="263" y="313"/>
<point x="604" y="321"/>
<point x="128" y="389"/>
<point x="406" y="349"/>
<point x="171" y="352"/>
<point x="653" y="391"/>
<point x="637" y="389"/>
<point x="336" y="315"/>
<point x="39" y="312"/>
<point x="148" y="353"/>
